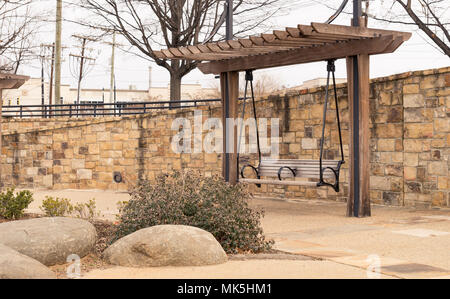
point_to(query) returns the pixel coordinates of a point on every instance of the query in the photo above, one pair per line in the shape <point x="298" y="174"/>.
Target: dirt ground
<point x="393" y="243"/>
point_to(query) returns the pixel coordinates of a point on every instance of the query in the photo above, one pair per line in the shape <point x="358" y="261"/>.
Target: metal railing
<point x="98" y="109"/>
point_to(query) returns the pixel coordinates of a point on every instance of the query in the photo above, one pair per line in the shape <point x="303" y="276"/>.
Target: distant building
<point x="316" y="83"/>
<point x="31" y="94"/>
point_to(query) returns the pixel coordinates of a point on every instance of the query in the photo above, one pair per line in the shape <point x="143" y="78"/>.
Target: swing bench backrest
<point x="303" y="168"/>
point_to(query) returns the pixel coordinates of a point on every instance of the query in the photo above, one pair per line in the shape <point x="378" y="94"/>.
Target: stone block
<point x="103" y="136"/>
<point x="438" y="168"/>
<point x="443" y="183"/>
<point x="394" y="170"/>
<point x="47" y="181"/>
<point x="391" y="198"/>
<point x="410" y="173"/>
<point x="90" y="138"/>
<point x="78" y="163"/>
<point x="386" y="145"/>
<point x="93" y="149"/>
<point x="411" y="88"/>
<point x="414" y="130"/>
<point x="309" y="143"/>
<point x="74" y="134"/>
<point x="84" y="174"/>
<point x="442" y="124"/>
<point x="380" y="183"/>
<point x="389" y="130"/>
<point x="58" y="137"/>
<point x="32" y="171"/>
<point x="411" y="159"/>
<point x="413" y="100"/>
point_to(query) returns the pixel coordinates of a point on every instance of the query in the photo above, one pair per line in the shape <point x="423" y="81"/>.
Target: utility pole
<point x="80" y="77"/>
<point x="42" y="86"/>
<point x="50" y="95"/>
<point x="112" y="67"/>
<point x="113" y="45"/>
<point x="150" y="81"/>
<point x="58" y="52"/>
<point x="112" y="87"/>
<point x="52" y="67"/>
<point x="83" y="60"/>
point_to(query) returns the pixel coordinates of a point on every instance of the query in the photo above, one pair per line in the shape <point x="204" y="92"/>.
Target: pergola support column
<point x="358" y="80"/>
<point x="229" y="83"/>
<point x="358" y="204"/>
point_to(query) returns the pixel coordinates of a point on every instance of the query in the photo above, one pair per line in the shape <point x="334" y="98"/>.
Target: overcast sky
<point x="416" y="54"/>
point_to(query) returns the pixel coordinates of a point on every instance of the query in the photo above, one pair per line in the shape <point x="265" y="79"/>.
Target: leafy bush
<point x="187" y="198"/>
<point x="56" y="207"/>
<point x="13" y="206"/>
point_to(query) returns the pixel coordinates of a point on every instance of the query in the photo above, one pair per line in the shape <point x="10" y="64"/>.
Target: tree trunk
<point x="175" y="90"/>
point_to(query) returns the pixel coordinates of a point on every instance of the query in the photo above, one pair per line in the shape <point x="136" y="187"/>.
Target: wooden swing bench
<point x="290" y="168"/>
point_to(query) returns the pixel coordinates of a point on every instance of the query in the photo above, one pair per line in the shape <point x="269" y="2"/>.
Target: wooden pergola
<point x="297" y="45"/>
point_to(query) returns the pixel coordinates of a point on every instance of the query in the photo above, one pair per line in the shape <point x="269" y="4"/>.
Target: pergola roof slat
<point x="300" y="55"/>
<point x="355" y="31"/>
<point x="284" y="47"/>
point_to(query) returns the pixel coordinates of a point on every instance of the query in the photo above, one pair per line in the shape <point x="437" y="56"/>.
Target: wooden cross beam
<point x="303" y="55"/>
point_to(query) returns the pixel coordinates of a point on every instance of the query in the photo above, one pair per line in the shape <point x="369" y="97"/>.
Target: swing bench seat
<point x="290" y="168"/>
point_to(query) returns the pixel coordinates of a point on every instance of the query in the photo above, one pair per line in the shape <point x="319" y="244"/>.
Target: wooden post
<point x="229" y="83"/>
<point x="1" y="135"/>
<point x="358" y="203"/>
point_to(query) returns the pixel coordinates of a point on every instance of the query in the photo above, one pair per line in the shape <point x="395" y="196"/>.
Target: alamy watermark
<point x="189" y="138"/>
<point x="373" y="271"/>
<point x="74" y="269"/>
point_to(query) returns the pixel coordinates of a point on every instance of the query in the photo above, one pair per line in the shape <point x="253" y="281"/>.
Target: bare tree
<point x="148" y="24"/>
<point x="428" y="15"/>
<point x="431" y="16"/>
<point x="17" y="30"/>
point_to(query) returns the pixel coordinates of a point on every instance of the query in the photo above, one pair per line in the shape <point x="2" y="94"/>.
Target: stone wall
<point x="410" y="138"/>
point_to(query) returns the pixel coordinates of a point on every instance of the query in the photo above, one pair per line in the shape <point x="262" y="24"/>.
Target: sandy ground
<point x="254" y="269"/>
<point x="418" y="240"/>
<point x="324" y="223"/>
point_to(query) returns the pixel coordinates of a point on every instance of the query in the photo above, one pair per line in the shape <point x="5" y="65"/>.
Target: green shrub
<point x="56" y="207"/>
<point x="187" y="198"/>
<point x="13" y="206"/>
<point x="60" y="207"/>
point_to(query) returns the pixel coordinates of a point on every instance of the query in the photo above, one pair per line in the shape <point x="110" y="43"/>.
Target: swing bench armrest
<point x="252" y="167"/>
<point x="293" y="171"/>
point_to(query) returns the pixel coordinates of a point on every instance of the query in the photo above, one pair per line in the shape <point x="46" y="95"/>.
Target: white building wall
<point x="30" y="94"/>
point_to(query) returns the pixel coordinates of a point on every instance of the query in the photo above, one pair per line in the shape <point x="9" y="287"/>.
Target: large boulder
<point x="14" y="265"/>
<point x="49" y="240"/>
<point x="166" y="245"/>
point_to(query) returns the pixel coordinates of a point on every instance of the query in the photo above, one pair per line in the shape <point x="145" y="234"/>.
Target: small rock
<point x="49" y="240"/>
<point x="14" y="265"/>
<point x="166" y="245"/>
